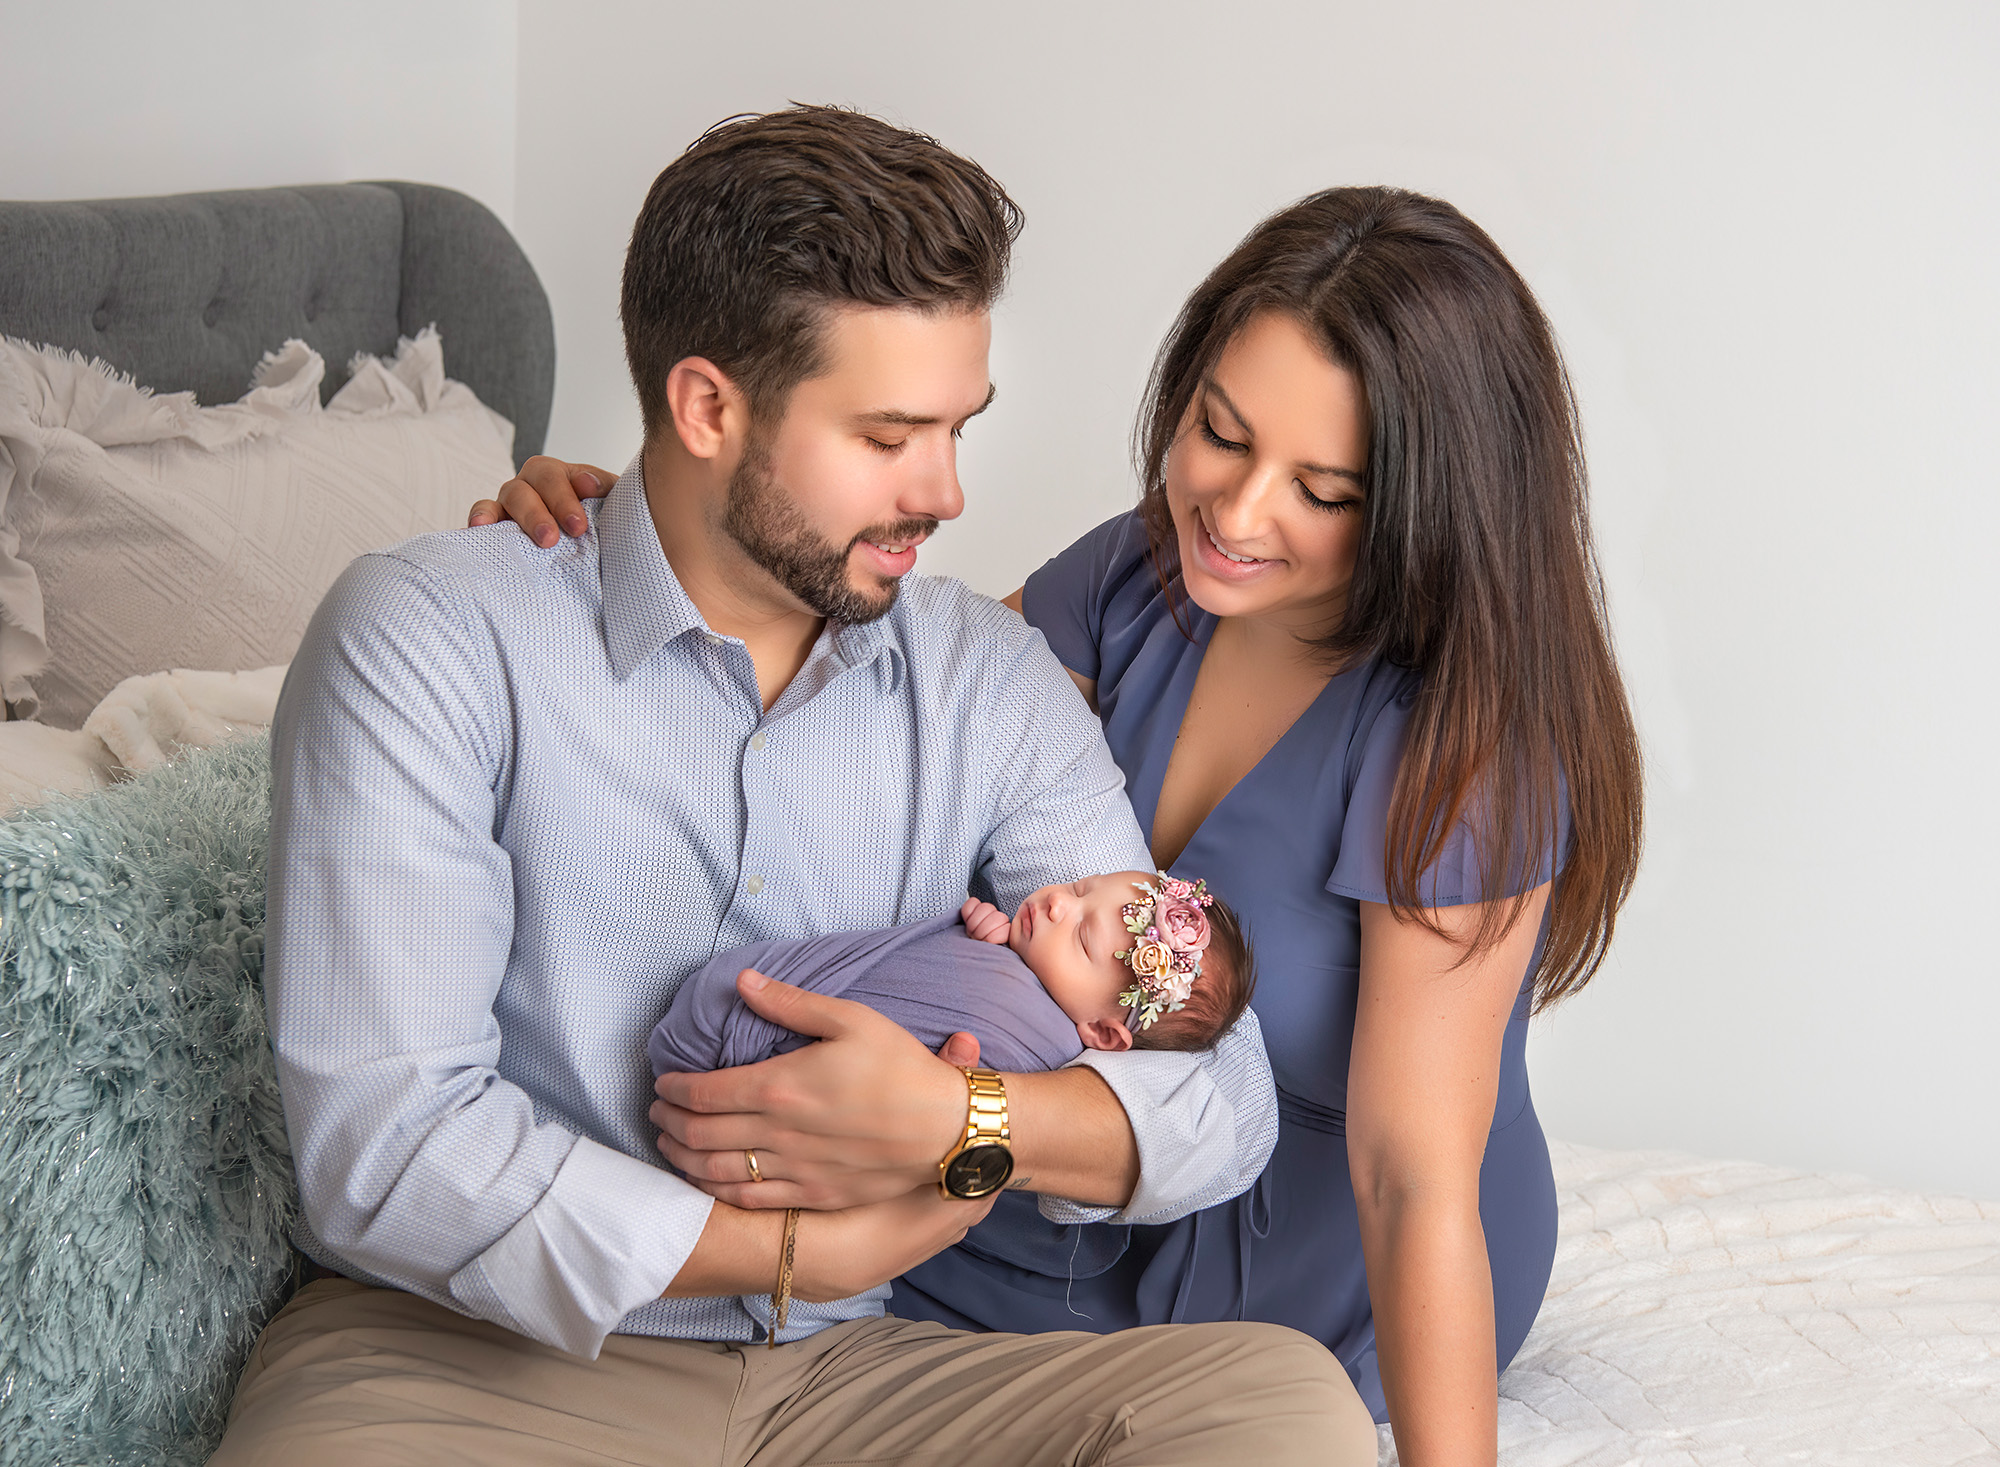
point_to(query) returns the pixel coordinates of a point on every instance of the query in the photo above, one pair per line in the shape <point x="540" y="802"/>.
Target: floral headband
<point x="1173" y="933"/>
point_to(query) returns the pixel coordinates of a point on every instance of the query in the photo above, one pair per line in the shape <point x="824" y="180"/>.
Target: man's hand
<point x="843" y="1253"/>
<point x="983" y="921"/>
<point x="862" y="1117"/>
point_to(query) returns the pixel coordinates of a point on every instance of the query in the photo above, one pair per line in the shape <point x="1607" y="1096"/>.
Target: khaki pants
<point x="355" y="1375"/>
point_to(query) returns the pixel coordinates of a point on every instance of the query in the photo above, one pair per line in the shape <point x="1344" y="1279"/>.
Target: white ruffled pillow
<point x="141" y="532"/>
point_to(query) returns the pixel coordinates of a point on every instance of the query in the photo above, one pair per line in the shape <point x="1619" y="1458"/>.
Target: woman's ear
<point x="1104" y="1034"/>
<point x="707" y="407"/>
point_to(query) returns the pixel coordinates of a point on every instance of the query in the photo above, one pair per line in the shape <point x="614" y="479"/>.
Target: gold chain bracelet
<point x="781" y="1295"/>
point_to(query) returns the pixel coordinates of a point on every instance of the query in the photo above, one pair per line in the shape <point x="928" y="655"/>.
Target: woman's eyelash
<point x="1331" y="506"/>
<point x="1216" y="440"/>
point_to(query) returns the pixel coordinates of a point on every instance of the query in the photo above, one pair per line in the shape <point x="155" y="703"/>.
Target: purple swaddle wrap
<point x="934" y="981"/>
<point x="928" y="976"/>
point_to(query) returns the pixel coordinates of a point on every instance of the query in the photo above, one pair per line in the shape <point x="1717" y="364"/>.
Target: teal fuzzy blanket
<point x="146" y="1190"/>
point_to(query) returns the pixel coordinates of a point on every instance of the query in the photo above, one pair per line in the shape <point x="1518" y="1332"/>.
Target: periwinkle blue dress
<point x="1294" y="848"/>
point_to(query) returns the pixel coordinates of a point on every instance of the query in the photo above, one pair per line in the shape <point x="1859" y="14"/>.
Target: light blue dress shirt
<point x="520" y="794"/>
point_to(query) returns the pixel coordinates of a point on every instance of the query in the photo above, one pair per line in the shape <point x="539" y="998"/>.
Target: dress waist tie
<point x="1252" y="1220"/>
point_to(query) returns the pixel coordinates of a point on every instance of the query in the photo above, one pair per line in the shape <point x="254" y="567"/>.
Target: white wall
<point x="1766" y="234"/>
<point x="109" y="98"/>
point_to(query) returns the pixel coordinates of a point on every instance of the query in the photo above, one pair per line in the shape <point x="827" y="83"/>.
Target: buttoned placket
<point x="761" y="771"/>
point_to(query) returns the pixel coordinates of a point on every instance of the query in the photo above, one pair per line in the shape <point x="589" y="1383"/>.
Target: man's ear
<point x="708" y="408"/>
<point x="1104" y="1034"/>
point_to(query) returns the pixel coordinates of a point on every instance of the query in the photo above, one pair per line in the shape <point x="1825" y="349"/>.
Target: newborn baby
<point x="1109" y="962"/>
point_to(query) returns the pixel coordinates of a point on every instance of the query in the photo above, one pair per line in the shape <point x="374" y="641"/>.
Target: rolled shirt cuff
<point x="609" y="1234"/>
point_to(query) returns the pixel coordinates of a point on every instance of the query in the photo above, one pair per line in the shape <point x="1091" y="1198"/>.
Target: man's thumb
<point x="812" y="1014"/>
<point x="960" y="1049"/>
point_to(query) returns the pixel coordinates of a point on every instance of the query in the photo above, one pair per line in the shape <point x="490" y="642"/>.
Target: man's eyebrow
<point x="897" y="418"/>
<point x="1209" y="384"/>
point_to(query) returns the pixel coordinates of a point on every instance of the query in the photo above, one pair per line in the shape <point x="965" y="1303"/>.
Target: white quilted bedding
<point x="1705" y="1313"/>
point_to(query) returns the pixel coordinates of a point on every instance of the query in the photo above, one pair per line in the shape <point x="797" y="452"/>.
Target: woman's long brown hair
<point x="1476" y="568"/>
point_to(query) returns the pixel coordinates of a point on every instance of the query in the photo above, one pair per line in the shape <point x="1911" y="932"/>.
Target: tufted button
<point x="101" y="317"/>
<point x="208" y="317"/>
<point x="312" y="310"/>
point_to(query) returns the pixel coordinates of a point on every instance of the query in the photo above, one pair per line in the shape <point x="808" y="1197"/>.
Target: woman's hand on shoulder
<point x="547" y="493"/>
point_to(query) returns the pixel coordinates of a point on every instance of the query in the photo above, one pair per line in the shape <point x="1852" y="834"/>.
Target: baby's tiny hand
<point x="984" y="922"/>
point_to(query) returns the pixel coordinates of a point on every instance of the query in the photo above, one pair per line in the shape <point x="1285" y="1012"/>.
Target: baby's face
<point x="1068" y="935"/>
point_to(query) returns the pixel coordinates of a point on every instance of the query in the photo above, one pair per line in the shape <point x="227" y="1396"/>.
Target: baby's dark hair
<point x="1221" y="994"/>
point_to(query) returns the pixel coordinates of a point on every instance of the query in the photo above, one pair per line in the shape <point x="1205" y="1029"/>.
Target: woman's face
<point x="1265" y="480"/>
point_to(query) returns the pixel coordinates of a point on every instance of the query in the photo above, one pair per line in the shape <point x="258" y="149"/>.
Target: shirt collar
<point x="646" y="607"/>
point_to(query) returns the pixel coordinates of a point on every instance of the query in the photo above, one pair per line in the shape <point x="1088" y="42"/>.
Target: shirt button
<point x="713" y="639"/>
<point x="753" y="885"/>
<point x="756" y="741"/>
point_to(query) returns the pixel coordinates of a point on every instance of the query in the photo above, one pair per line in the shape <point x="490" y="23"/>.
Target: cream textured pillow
<point x="141" y="532"/>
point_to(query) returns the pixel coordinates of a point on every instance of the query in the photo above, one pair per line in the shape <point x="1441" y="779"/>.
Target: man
<point x="521" y="792"/>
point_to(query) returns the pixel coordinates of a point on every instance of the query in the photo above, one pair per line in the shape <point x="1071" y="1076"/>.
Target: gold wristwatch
<point x="982" y="1161"/>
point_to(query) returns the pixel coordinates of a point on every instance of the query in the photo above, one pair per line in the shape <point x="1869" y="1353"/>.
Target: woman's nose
<point x="1242" y="511"/>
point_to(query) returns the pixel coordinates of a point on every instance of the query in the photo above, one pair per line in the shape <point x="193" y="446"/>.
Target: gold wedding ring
<point x="756" y="1174"/>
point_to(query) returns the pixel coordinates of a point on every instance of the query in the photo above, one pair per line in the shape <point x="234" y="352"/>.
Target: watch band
<point x="985" y="1124"/>
<point x="985" y="1108"/>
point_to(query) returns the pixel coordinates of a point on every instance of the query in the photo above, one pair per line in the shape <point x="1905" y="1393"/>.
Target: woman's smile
<point x="1218" y="559"/>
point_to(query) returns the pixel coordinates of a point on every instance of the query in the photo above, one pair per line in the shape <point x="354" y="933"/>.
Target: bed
<point x="1705" y="1313"/>
<point x="1701" y="1312"/>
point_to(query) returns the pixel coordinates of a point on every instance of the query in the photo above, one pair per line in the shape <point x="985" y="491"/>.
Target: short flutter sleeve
<point x="1360" y="869"/>
<point x="1067" y="598"/>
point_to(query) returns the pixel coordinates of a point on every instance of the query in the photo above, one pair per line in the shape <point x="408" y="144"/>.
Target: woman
<point x="1350" y="653"/>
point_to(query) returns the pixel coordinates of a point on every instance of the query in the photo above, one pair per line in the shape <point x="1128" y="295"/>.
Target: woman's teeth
<point x="1239" y="559"/>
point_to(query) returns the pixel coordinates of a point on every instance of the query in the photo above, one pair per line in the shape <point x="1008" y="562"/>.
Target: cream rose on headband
<point x="1172" y="932"/>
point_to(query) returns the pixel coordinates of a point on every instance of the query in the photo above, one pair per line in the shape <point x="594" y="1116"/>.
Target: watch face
<point x="979" y="1170"/>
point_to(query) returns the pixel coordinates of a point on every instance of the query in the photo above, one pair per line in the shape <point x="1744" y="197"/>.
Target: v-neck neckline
<point x="1164" y="733"/>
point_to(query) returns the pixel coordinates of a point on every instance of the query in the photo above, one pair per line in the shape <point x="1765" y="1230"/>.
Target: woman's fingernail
<point x="545" y="535"/>
<point x="574" y="524"/>
<point x="753" y="980"/>
<point x="594" y="483"/>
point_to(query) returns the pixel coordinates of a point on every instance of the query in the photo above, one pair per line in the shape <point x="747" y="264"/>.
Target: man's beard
<point x="772" y="530"/>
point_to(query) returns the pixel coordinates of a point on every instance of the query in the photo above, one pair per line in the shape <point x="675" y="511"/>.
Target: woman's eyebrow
<point x="1209" y="384"/>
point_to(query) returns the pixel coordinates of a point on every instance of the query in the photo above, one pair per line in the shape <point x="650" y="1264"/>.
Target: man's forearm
<point x="737" y="1254"/>
<point x="1071" y="1138"/>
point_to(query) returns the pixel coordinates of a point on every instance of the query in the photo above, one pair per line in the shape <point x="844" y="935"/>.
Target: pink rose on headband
<point x="1183" y="926"/>
<point x="1174" y="887"/>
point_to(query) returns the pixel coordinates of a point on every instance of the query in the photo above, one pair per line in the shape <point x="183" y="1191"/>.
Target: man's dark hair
<point x="768" y="220"/>
<point x="1220" y="995"/>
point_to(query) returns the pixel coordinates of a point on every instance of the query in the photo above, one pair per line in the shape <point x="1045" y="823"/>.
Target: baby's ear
<point x="1104" y="1034"/>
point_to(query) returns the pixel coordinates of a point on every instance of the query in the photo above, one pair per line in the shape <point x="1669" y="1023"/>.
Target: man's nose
<point x="937" y="492"/>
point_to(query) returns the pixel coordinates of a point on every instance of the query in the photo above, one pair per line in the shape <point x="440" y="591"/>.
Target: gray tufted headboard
<point x="187" y="291"/>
